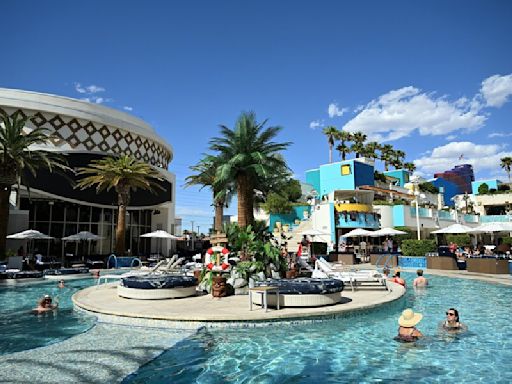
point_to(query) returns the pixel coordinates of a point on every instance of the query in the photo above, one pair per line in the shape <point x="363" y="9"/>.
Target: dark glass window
<point x="70" y="229"/>
<point x="96" y="214"/>
<point x="85" y="214"/>
<point x="56" y="230"/>
<point x="134" y="219"/>
<point x="83" y="227"/>
<point x="58" y="211"/>
<point x="71" y="212"/>
<point x="94" y="229"/>
<point x="43" y="211"/>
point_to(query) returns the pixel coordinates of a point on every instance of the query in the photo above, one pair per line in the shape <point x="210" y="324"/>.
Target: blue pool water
<point x="358" y="348"/>
<point x="23" y="330"/>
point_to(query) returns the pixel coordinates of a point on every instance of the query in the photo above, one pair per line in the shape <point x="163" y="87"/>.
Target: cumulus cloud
<point x="403" y="111"/>
<point x="316" y="124"/>
<point x="499" y="134"/>
<point x="496" y="90"/>
<point x="483" y="157"/>
<point x="96" y="99"/>
<point x="89" y="89"/>
<point x="127" y="108"/>
<point x="334" y="111"/>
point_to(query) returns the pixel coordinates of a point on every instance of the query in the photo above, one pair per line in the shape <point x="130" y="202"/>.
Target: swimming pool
<point x="23" y="330"/>
<point x="358" y="348"/>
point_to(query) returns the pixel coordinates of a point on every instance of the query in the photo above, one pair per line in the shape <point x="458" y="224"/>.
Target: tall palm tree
<point x="410" y="167"/>
<point x="124" y="174"/>
<point x="17" y="157"/>
<point x="247" y="156"/>
<point x="330" y="132"/>
<point x="370" y="150"/>
<point x="387" y="155"/>
<point x="506" y="164"/>
<point x="358" y="147"/>
<point x="343" y="137"/>
<point x="399" y="158"/>
<point x="205" y="175"/>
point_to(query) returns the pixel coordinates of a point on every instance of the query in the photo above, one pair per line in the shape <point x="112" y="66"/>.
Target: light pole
<point x="417" y="202"/>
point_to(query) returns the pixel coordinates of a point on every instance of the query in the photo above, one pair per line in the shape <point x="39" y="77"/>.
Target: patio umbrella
<point x="160" y="234"/>
<point x="492" y="227"/>
<point x="358" y="232"/>
<point x="81" y="236"/>
<point x="387" y="232"/>
<point x="454" y="228"/>
<point x="31" y="234"/>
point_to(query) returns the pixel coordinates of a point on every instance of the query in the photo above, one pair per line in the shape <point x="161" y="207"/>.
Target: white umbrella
<point x="84" y="235"/>
<point x="387" y="232"/>
<point x="29" y="234"/>
<point x="492" y="227"/>
<point x="358" y="232"/>
<point x="159" y="234"/>
<point x="454" y="228"/>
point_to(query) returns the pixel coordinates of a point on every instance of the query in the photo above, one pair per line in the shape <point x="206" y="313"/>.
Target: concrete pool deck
<point x="104" y="302"/>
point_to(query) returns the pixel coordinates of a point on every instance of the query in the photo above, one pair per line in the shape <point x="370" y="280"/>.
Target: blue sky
<point x="431" y="78"/>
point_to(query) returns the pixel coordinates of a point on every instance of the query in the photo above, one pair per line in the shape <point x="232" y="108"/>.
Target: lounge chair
<point x="367" y="277"/>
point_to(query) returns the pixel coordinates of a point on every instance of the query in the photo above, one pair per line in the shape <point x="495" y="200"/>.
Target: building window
<point x="345" y="170"/>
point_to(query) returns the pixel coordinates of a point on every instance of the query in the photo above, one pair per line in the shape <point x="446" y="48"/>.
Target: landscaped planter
<point x="487" y="265"/>
<point x="442" y="262"/>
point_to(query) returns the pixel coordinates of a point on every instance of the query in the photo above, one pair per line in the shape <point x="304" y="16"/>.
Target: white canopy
<point x="387" y="232"/>
<point x="358" y="232"/>
<point x="454" y="228"/>
<point x="159" y="234"/>
<point x="29" y="234"/>
<point x="492" y="227"/>
<point x="83" y="235"/>
<point x="313" y="232"/>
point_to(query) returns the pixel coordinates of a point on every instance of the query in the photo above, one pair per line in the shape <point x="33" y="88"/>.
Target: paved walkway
<point x="205" y="310"/>
<point x="105" y="354"/>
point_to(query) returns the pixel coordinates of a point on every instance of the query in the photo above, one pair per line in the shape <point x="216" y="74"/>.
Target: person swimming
<point x="45" y="305"/>
<point x="407" y="332"/>
<point x="61" y="284"/>
<point x="452" y="323"/>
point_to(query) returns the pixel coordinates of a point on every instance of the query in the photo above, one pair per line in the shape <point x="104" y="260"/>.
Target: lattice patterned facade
<point x="71" y="133"/>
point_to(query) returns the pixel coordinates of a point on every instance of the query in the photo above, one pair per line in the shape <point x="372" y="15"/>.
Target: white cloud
<point x="334" y="111"/>
<point x="184" y="211"/>
<point x="316" y="124"/>
<point x="400" y="112"/>
<point x="496" y="90"/>
<point x="483" y="157"/>
<point x="499" y="134"/>
<point x="451" y="137"/>
<point x="127" y="108"/>
<point x="96" y="99"/>
<point x="94" y="88"/>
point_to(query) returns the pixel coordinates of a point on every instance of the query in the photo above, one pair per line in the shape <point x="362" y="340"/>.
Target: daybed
<point x="302" y="292"/>
<point x="146" y="287"/>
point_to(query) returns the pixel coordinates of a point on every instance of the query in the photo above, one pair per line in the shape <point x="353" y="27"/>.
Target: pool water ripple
<point x="358" y="348"/>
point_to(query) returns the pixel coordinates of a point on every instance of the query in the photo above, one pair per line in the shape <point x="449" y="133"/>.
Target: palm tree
<point x="247" y="157"/>
<point x="358" y="147"/>
<point x="330" y="132"/>
<point x="370" y="150"/>
<point x="410" y="167"/>
<point x="17" y="157"/>
<point x="387" y="155"/>
<point x="506" y="164"/>
<point x="343" y="136"/>
<point x="124" y="174"/>
<point x="205" y="176"/>
<point x="399" y="159"/>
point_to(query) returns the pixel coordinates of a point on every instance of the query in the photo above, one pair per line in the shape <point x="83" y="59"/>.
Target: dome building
<point x="83" y="132"/>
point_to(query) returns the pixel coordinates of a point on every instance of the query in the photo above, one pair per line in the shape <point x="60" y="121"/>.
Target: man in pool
<point x="420" y="281"/>
<point x="45" y="305"/>
<point x="61" y="284"/>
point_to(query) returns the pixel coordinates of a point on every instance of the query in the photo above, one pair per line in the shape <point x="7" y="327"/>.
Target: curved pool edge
<point x="204" y="311"/>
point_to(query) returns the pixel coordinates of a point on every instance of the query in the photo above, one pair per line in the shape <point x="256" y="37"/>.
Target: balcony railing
<point x="494" y="218"/>
<point x="424" y="212"/>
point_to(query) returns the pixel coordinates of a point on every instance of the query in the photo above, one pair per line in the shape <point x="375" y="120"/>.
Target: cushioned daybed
<point x="147" y="287"/>
<point x="66" y="273"/>
<point x="302" y="292"/>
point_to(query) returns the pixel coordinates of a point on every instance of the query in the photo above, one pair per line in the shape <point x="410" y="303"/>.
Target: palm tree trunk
<point x="245" y="200"/>
<point x="330" y="154"/>
<point x="219" y="213"/>
<point x="5" y="192"/>
<point x="121" y="224"/>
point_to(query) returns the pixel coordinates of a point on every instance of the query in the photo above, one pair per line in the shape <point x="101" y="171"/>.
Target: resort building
<point x="83" y="132"/>
<point x="455" y="181"/>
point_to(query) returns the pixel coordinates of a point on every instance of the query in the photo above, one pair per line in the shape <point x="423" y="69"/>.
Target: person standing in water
<point x="420" y="281"/>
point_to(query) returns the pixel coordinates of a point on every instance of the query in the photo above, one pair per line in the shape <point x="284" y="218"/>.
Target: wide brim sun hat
<point x="409" y="318"/>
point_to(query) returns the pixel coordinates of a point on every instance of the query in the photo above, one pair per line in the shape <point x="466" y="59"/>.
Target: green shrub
<point x="461" y="240"/>
<point x="483" y="189"/>
<point x="417" y="247"/>
<point x="507" y="240"/>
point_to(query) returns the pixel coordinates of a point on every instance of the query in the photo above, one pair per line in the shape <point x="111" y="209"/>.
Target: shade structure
<point x="159" y="234"/>
<point x="313" y="232"/>
<point x="387" y="232"/>
<point x="84" y="235"/>
<point x="454" y="228"/>
<point x="29" y="234"/>
<point x="358" y="232"/>
<point x="492" y="227"/>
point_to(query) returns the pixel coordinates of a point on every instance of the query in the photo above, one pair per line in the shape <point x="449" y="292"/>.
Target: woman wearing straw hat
<point x="407" y="331"/>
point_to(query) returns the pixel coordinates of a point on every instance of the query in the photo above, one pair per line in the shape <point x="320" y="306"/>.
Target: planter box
<point x="442" y="262"/>
<point x="490" y="265"/>
<point x="391" y="262"/>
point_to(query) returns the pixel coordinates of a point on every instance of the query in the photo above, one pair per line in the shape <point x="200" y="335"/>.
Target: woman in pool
<point x="61" y="284"/>
<point x="45" y="305"/>
<point x="452" y="323"/>
<point x="407" y="332"/>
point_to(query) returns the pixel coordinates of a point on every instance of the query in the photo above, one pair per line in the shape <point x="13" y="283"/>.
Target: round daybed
<point x="66" y="273"/>
<point x="148" y="287"/>
<point x="302" y="292"/>
<point x="16" y="275"/>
